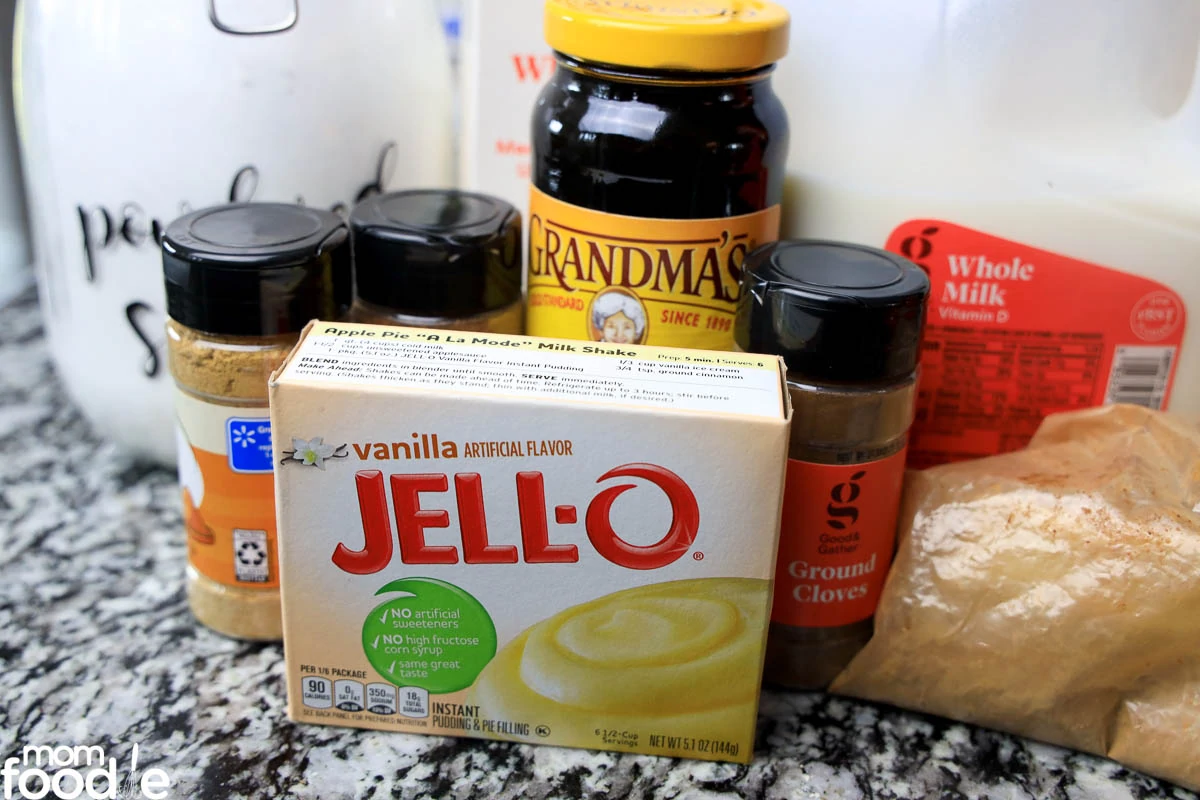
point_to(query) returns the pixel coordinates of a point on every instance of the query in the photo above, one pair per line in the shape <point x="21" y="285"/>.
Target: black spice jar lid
<point x="256" y="269"/>
<point x="835" y="311"/>
<point x="437" y="252"/>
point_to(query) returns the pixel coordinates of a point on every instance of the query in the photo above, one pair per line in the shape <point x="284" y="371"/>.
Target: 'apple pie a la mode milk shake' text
<point x="528" y="539"/>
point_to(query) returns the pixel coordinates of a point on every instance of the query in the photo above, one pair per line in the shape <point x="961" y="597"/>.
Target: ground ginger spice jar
<point x="848" y="322"/>
<point x="658" y="164"/>
<point x="438" y="258"/>
<point x="242" y="281"/>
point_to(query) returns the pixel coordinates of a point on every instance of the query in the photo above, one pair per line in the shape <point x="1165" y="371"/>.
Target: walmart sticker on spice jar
<point x="528" y="539"/>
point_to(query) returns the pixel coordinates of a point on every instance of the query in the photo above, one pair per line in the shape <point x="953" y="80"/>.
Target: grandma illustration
<point x="617" y="316"/>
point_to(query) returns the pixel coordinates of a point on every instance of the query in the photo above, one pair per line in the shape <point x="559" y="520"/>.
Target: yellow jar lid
<point x="690" y="35"/>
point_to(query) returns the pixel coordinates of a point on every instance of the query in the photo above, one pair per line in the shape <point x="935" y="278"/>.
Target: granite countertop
<point x="97" y="647"/>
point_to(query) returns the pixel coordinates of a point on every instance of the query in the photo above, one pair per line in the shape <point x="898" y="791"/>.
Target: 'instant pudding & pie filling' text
<point x="528" y="539"/>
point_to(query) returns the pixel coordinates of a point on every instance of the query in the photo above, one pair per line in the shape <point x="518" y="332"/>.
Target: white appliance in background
<point x="15" y="272"/>
<point x="1041" y="159"/>
<point x="451" y="15"/>
<point x="132" y="112"/>
<point x="504" y="63"/>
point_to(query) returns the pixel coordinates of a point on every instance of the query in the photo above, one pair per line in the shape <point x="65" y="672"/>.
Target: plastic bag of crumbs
<point x="1054" y="592"/>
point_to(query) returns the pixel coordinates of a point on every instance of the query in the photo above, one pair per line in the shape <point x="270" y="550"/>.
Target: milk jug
<point x="133" y="112"/>
<point x="1040" y="159"/>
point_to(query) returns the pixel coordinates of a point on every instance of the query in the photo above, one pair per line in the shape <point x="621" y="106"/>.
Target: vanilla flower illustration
<point x="313" y="452"/>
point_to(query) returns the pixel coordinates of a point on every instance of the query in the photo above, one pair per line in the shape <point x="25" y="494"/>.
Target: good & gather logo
<point x="69" y="772"/>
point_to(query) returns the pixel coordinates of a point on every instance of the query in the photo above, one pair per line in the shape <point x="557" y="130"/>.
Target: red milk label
<point x="1015" y="333"/>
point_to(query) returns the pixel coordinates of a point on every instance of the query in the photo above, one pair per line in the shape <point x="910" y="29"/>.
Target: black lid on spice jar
<point x="256" y="269"/>
<point x="437" y="252"/>
<point x="834" y="311"/>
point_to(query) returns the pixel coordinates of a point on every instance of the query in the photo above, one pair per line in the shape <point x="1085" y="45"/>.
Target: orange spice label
<point x="836" y="539"/>
<point x="228" y="487"/>
<point x="635" y="280"/>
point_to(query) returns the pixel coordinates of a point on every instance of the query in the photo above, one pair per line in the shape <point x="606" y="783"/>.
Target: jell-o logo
<point x="535" y="548"/>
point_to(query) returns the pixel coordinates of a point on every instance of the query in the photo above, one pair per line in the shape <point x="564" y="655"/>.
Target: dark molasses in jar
<point x="438" y="258"/>
<point x="848" y="321"/>
<point x="658" y="164"/>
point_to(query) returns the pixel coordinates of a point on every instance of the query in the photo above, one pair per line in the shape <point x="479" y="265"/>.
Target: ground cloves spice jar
<point x="242" y="281"/>
<point x="848" y="321"/>
<point x="435" y="258"/>
<point x="659" y="149"/>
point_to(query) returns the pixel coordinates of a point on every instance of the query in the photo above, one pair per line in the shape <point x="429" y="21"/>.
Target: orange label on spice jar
<point x="634" y="280"/>
<point x="836" y="539"/>
<point x="1015" y="333"/>
<point x="228" y="487"/>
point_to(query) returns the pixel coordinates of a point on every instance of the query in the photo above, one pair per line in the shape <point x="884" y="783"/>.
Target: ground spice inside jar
<point x="242" y="281"/>
<point x="848" y="321"/>
<point x="226" y="367"/>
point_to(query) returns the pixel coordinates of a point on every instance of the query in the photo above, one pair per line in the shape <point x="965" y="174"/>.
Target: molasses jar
<point x="658" y="164"/>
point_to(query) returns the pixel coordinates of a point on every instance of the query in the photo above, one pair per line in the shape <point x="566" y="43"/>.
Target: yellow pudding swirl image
<point x="680" y="659"/>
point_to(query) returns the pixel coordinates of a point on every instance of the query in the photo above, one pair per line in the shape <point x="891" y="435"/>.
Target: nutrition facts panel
<point x="994" y="387"/>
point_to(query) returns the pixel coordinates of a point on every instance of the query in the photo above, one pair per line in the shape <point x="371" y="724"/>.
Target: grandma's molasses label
<point x="636" y="280"/>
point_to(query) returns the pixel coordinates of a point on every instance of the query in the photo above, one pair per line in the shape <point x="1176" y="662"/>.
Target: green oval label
<point x="433" y="635"/>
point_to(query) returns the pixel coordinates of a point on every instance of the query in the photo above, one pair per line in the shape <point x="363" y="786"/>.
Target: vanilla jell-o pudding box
<point x="534" y="540"/>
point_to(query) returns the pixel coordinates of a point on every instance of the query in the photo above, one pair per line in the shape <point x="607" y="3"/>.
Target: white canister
<point x="133" y="112"/>
<point x="15" y="274"/>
